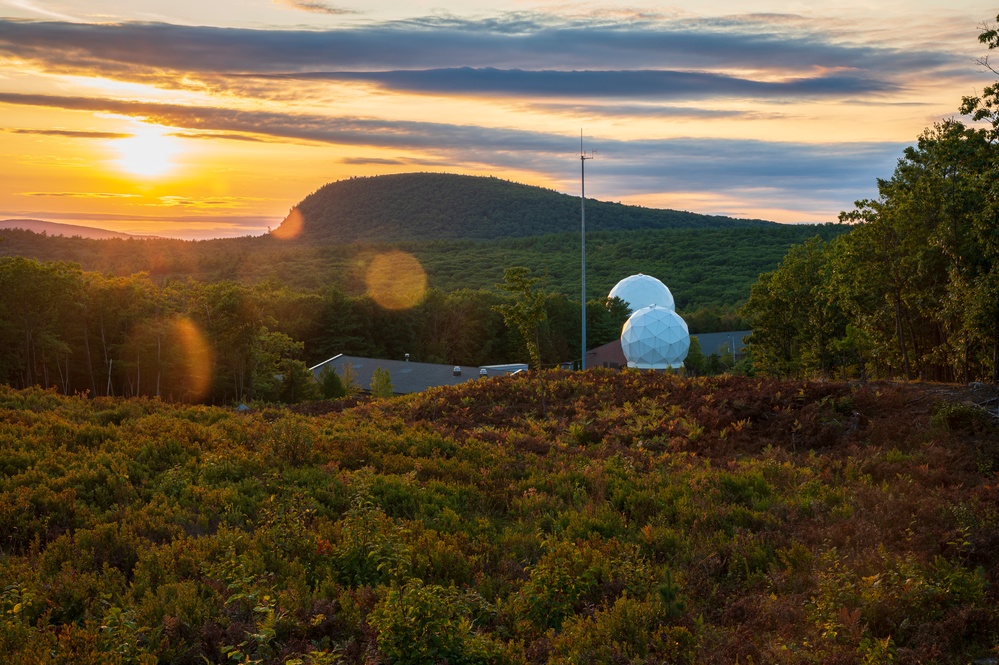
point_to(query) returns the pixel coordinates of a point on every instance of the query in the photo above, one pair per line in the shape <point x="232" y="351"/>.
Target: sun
<point x="148" y="152"/>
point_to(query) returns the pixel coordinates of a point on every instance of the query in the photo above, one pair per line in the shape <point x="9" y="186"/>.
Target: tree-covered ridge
<point x="647" y="519"/>
<point x="712" y="268"/>
<point x="425" y="206"/>
<point x="704" y="268"/>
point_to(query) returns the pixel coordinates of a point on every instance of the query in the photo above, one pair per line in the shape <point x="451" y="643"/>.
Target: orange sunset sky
<point x="203" y="119"/>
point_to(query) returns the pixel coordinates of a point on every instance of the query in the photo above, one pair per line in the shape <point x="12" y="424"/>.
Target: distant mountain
<point x="428" y="206"/>
<point x="57" y="229"/>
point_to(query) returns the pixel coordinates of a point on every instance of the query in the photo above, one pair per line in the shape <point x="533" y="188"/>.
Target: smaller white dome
<point x="641" y="291"/>
<point x="655" y="338"/>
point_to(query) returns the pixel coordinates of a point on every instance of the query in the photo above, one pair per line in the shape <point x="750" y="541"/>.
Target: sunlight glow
<point x="148" y="152"/>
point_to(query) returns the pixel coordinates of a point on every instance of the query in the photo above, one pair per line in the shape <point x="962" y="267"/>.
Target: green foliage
<point x="526" y="310"/>
<point x="330" y="384"/>
<point x="900" y="295"/>
<point x="420" y="623"/>
<point x="913" y="290"/>
<point x="647" y="518"/>
<point x="381" y="383"/>
<point x="628" y="631"/>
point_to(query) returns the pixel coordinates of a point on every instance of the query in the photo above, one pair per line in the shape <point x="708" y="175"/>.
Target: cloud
<point x="735" y="48"/>
<point x="82" y="195"/>
<point x="317" y="7"/>
<point x="33" y="7"/>
<point x="72" y="133"/>
<point x="648" y="110"/>
<point x="216" y="135"/>
<point x="830" y="174"/>
<point x="362" y="161"/>
<point x="618" y="84"/>
<point x="204" y="202"/>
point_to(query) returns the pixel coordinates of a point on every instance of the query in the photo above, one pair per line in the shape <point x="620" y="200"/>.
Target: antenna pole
<point x="582" y="225"/>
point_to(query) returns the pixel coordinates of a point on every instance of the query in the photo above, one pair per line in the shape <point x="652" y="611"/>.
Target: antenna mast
<point x="582" y="222"/>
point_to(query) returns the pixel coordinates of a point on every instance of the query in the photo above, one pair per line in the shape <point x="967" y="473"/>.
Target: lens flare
<point x="196" y="358"/>
<point x="291" y="227"/>
<point x="396" y="280"/>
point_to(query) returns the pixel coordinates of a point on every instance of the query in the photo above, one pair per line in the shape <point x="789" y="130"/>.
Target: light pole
<point x="582" y="224"/>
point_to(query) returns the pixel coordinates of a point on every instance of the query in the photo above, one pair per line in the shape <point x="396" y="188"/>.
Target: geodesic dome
<point x="642" y="291"/>
<point x="655" y="338"/>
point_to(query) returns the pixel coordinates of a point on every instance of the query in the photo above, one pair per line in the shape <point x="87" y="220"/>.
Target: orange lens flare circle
<point x="291" y="227"/>
<point x="396" y="280"/>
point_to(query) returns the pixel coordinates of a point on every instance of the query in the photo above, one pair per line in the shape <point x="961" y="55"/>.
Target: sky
<point x="200" y="119"/>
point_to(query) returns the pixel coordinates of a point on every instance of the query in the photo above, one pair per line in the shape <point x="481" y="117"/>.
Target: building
<point x="410" y="377"/>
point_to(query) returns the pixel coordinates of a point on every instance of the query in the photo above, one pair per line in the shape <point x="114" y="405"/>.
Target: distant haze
<point x="56" y="229"/>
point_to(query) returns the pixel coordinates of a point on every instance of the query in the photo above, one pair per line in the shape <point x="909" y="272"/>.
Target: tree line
<point x="912" y="291"/>
<point x="224" y="341"/>
<point x="709" y="270"/>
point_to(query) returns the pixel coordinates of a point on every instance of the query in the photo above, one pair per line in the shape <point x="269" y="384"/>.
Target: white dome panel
<point x="655" y="338"/>
<point x="641" y="291"/>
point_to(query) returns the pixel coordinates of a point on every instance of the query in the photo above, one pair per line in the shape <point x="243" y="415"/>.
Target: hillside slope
<point x="629" y="517"/>
<point x="426" y="206"/>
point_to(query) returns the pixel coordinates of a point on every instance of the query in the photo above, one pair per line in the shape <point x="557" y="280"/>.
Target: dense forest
<point x="429" y="206"/>
<point x="634" y="517"/>
<point x="224" y="341"/>
<point x="704" y="267"/>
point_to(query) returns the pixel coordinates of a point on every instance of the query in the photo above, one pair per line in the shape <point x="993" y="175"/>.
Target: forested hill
<point x="424" y="206"/>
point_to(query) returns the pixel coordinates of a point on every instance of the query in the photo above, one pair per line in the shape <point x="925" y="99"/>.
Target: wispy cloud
<point x="72" y="133"/>
<point x="629" y="84"/>
<point x="216" y="135"/>
<point x="317" y="7"/>
<point x="834" y="173"/>
<point x="364" y="161"/>
<point x="148" y="50"/>
<point x="213" y="202"/>
<point x="631" y="110"/>
<point x="82" y="195"/>
<point x="41" y="11"/>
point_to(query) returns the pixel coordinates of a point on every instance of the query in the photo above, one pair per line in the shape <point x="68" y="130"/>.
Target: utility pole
<point x="582" y="221"/>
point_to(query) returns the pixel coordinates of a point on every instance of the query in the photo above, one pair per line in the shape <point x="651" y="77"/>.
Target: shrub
<point x="420" y="624"/>
<point x="330" y="384"/>
<point x="381" y="383"/>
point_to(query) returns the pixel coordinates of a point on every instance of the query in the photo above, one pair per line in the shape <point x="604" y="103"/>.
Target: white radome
<point x="655" y="338"/>
<point x="642" y="291"/>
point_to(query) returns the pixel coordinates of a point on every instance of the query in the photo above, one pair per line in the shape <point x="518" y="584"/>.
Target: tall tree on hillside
<point x="526" y="309"/>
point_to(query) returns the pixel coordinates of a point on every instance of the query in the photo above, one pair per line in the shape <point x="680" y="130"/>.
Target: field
<point x="589" y="518"/>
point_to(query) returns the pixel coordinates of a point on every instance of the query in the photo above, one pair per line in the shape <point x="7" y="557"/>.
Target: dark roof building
<point x="410" y="377"/>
